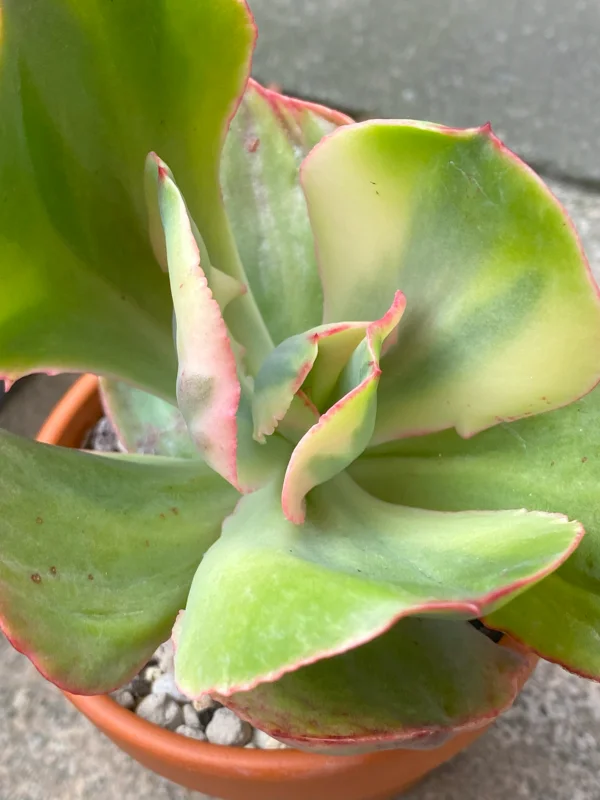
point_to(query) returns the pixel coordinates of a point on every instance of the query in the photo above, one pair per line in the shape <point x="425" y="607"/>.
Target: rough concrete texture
<point x="48" y="751"/>
<point x="546" y="748"/>
<point x="532" y="68"/>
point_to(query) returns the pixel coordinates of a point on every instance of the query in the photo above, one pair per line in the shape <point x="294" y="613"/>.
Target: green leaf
<point x="97" y="555"/>
<point x="394" y="689"/>
<point x="208" y="389"/>
<point x="86" y="91"/>
<point x="257" y="464"/>
<point x="267" y="140"/>
<point x="271" y="596"/>
<point x="145" y="423"/>
<point x="503" y="316"/>
<point x="223" y="286"/>
<point x="287" y="367"/>
<point x="148" y="424"/>
<point x="343" y="432"/>
<point x="549" y="462"/>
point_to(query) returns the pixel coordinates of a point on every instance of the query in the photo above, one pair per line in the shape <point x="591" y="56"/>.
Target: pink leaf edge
<point x="472" y="609"/>
<point x="292" y="503"/>
<point x="425" y="736"/>
<point x="222" y="418"/>
<point x="295" y="105"/>
<point x="21" y="646"/>
<point x="462" y="133"/>
<point x="295" y="384"/>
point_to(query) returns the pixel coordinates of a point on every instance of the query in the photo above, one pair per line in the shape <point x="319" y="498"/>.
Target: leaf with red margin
<point x="97" y="555"/>
<point x="343" y="432"/>
<point x="267" y="140"/>
<point x="285" y="370"/>
<point x="548" y="462"/>
<point x="148" y="424"/>
<point x="416" y="685"/>
<point x="356" y="567"/>
<point x="223" y="287"/>
<point x="86" y="90"/>
<point x="208" y="389"/>
<point x="503" y="315"/>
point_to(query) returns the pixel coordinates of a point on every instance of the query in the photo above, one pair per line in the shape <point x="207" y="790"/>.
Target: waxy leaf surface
<point x="97" y="554"/>
<point x="503" y="316"/>
<point x="271" y="596"/>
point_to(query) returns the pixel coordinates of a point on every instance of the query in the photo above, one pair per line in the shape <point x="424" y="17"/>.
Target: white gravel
<point x="154" y="696"/>
<point x="228" y="729"/>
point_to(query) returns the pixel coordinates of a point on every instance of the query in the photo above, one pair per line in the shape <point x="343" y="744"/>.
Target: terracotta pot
<point x="229" y="772"/>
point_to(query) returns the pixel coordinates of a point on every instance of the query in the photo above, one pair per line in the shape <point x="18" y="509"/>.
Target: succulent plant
<point x="336" y="354"/>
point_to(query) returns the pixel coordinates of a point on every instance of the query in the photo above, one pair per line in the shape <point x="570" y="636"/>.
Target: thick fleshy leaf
<point x="343" y="432"/>
<point x="503" y="316"/>
<point x="148" y="424"/>
<point x="394" y="687"/>
<point x="268" y="138"/>
<point x="97" y="555"/>
<point x="86" y="90"/>
<point x="223" y="287"/>
<point x="549" y="462"/>
<point x="258" y="464"/>
<point x="208" y="389"/>
<point x="356" y="567"/>
<point x="285" y="369"/>
<point x="145" y="423"/>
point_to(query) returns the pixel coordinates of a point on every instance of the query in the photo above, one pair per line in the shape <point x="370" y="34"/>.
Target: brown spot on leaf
<point x="162" y="516"/>
<point x="252" y="145"/>
<point x="584" y="459"/>
<point x="175" y="510"/>
<point x="90" y="577"/>
<point x="39" y="520"/>
<point x="52" y="570"/>
<point x="552" y="463"/>
<point x="589" y="562"/>
<point x="147" y="543"/>
<point x="36" y="577"/>
<point x="195" y="391"/>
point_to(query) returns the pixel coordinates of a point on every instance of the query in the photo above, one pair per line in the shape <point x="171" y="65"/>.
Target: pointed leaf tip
<point x="208" y="389"/>
<point x="318" y="354"/>
<point x="344" y="431"/>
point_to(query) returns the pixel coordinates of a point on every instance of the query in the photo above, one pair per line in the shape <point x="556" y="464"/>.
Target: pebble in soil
<point x="154" y="696"/>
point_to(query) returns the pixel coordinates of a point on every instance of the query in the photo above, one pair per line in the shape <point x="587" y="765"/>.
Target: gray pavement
<point x="531" y="68"/>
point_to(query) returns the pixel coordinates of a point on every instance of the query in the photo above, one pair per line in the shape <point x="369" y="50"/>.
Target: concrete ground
<point x="533" y="69"/>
